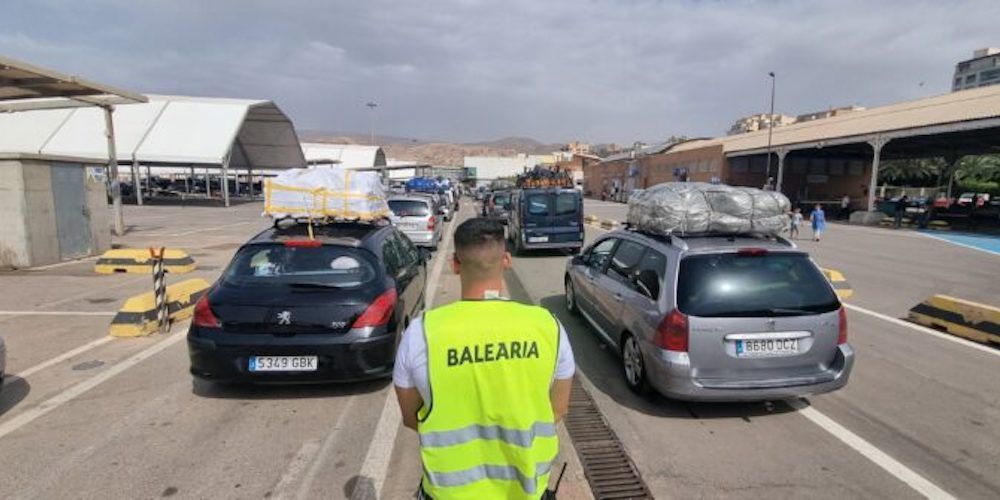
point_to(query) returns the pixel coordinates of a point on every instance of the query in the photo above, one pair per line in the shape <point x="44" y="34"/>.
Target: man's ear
<point x="456" y="265"/>
<point x="506" y="259"/>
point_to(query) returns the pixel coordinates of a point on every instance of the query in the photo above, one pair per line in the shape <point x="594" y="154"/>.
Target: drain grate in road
<point x="609" y="470"/>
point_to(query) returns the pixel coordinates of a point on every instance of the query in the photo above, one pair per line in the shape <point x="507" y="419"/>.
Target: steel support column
<point x="782" y="152"/>
<point x="135" y="181"/>
<point x="877" y="143"/>
<point x="116" y="189"/>
<point x="225" y="178"/>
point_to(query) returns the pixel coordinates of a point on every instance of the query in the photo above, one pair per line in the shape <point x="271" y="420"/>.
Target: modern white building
<point x="982" y="70"/>
<point x="484" y="169"/>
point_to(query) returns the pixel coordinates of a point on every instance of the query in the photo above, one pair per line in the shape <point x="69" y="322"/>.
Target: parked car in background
<point x="289" y="309"/>
<point x="735" y="318"/>
<point x="497" y="205"/>
<point x="546" y="218"/>
<point x="415" y="216"/>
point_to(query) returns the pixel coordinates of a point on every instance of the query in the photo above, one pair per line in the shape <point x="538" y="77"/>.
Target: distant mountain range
<point x="435" y="153"/>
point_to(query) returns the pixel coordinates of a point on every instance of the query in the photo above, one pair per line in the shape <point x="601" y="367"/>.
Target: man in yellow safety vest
<point x="483" y="381"/>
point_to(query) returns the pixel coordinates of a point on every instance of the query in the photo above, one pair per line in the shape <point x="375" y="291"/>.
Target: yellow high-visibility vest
<point x="489" y="431"/>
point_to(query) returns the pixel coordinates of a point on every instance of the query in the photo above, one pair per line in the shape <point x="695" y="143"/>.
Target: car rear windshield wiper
<point x="312" y="284"/>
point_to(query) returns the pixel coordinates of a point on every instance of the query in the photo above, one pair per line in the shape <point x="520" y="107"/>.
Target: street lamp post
<point x="770" y="130"/>
<point x="372" y="105"/>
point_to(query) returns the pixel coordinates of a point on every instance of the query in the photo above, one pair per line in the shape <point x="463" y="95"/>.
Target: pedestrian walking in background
<point x="483" y="381"/>
<point x="795" y="221"/>
<point x="818" y="219"/>
<point x="845" y="207"/>
<point x="901" y="203"/>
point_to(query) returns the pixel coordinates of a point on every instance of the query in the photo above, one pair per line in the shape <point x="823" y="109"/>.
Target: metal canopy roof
<point x="963" y="111"/>
<point x="167" y="130"/>
<point x="24" y="86"/>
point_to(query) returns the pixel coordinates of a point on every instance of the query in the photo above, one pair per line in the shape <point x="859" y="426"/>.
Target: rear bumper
<point x="543" y="246"/>
<point x="671" y="374"/>
<point x="422" y="238"/>
<point x="354" y="356"/>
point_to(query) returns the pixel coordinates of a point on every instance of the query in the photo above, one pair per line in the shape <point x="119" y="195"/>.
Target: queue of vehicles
<point x="711" y="318"/>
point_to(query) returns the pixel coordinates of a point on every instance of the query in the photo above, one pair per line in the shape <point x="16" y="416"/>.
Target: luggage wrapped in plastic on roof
<point x="698" y="207"/>
<point x="332" y="192"/>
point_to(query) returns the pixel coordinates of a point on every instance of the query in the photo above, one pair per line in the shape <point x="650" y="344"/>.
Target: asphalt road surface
<point x="86" y="416"/>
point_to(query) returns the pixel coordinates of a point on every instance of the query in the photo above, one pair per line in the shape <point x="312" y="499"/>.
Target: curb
<point x="839" y="282"/>
<point x="959" y="317"/>
<point x="137" y="260"/>
<point x="137" y="316"/>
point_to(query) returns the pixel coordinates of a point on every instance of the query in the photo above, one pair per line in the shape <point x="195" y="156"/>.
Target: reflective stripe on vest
<point x="489" y="430"/>
<point x="498" y="472"/>
<point x="516" y="437"/>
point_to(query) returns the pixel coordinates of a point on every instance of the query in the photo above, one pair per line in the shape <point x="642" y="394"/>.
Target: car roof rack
<point x="288" y="221"/>
<point x="678" y="240"/>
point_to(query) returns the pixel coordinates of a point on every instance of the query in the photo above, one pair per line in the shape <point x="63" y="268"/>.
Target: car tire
<point x="633" y="365"/>
<point x="571" y="305"/>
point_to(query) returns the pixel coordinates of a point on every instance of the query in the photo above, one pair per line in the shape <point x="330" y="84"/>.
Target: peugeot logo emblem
<point x="770" y="324"/>
<point x="285" y="318"/>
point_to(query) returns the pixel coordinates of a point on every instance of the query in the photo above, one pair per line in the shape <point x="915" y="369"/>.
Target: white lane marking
<point x="324" y="451"/>
<point x="376" y="462"/>
<point x="950" y="242"/>
<point x="379" y="453"/>
<point x="924" y="329"/>
<point x="56" y="313"/>
<point x="62" y="264"/>
<point x="204" y="229"/>
<point x="869" y="451"/>
<point x="64" y="356"/>
<point x="68" y="395"/>
<point x="299" y="462"/>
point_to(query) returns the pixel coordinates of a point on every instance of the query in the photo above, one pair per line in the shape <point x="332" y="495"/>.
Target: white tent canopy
<point x="168" y="130"/>
<point x="351" y="156"/>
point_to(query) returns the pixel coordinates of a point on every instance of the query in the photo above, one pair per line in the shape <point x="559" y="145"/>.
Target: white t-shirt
<point x="411" y="359"/>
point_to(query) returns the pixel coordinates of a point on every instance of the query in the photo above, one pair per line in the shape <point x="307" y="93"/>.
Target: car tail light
<point x="431" y="223"/>
<point x="379" y="312"/>
<point x="751" y="252"/>
<point x="203" y="315"/>
<point x="303" y="243"/>
<point x="672" y="334"/>
<point x="842" y="331"/>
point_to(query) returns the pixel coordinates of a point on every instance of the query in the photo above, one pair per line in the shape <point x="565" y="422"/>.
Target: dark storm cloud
<point x="603" y="70"/>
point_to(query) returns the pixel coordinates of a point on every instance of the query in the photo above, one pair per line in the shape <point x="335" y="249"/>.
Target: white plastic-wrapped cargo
<point x="698" y="207"/>
<point x="332" y="192"/>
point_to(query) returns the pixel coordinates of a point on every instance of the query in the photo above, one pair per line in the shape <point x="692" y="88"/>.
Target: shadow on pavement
<point x="217" y="390"/>
<point x="600" y="363"/>
<point x="15" y="389"/>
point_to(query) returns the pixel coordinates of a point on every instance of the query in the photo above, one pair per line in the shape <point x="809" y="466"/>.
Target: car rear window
<point x="735" y="285"/>
<point x="565" y="203"/>
<point x="538" y="204"/>
<point x="409" y="208"/>
<point x="277" y="264"/>
<point x="502" y="200"/>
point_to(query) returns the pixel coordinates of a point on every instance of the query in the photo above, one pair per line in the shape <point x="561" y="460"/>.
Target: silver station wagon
<point x="713" y="318"/>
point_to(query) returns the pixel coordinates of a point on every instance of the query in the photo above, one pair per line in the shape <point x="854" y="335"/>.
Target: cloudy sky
<point x="469" y="70"/>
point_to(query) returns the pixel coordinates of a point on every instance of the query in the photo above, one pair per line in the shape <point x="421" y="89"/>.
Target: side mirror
<point x="648" y="283"/>
<point x="577" y="260"/>
<point x="425" y="255"/>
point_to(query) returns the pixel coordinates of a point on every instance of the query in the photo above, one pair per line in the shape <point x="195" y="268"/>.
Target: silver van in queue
<point x="713" y="318"/>
<point x="415" y="215"/>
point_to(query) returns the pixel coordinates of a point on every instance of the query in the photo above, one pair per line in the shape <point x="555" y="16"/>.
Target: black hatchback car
<point x="328" y="309"/>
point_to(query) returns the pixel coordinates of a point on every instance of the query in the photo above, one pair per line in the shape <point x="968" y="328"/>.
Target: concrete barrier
<point x="137" y="317"/>
<point x="963" y="318"/>
<point x="839" y="282"/>
<point x="137" y="260"/>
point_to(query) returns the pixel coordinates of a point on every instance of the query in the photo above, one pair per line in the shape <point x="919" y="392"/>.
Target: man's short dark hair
<point x="477" y="232"/>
